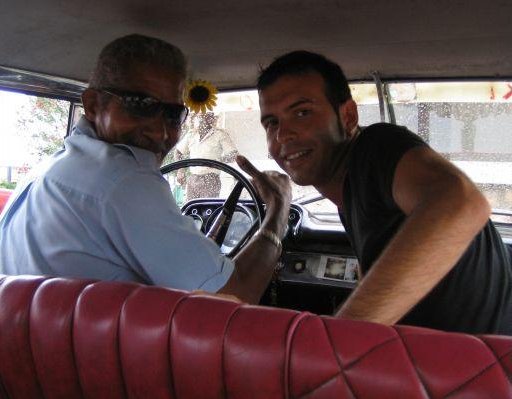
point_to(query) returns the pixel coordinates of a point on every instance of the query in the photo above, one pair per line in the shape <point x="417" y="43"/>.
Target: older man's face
<point x="115" y="124"/>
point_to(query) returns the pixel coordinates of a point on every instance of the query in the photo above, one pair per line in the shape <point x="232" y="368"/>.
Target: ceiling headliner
<point x="227" y="41"/>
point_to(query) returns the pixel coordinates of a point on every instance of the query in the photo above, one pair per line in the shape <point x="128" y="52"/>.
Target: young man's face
<point x="115" y="124"/>
<point x="304" y="133"/>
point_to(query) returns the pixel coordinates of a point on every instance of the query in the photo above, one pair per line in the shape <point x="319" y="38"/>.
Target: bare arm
<point x="255" y="264"/>
<point x="444" y="212"/>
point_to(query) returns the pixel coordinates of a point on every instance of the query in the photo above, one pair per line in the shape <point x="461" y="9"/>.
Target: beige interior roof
<point x="227" y="40"/>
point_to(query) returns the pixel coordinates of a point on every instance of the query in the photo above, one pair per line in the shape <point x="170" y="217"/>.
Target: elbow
<point x="471" y="203"/>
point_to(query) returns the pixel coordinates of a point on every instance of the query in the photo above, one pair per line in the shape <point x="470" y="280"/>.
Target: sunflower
<point x="200" y="96"/>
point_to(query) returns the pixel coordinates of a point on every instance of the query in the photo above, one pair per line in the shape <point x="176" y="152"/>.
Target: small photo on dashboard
<point x="335" y="268"/>
<point x="338" y="268"/>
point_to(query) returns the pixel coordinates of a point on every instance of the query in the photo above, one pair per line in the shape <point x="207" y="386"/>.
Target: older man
<point x="101" y="208"/>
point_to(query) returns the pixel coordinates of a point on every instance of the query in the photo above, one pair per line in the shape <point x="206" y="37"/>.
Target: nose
<point x="285" y="132"/>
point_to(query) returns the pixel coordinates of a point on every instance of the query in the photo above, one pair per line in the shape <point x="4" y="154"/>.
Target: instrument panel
<point x="312" y="255"/>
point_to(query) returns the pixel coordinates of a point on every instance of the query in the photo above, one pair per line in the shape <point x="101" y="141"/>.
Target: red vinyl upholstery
<point x="64" y="338"/>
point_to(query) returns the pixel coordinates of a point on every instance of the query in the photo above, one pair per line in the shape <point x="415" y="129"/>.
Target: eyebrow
<point x="289" y="107"/>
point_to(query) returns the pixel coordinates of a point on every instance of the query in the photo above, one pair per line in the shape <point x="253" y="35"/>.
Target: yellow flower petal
<point x="200" y="95"/>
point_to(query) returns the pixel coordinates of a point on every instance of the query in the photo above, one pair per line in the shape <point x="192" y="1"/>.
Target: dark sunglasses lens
<point x="145" y="107"/>
<point x="176" y="113"/>
<point x="148" y="107"/>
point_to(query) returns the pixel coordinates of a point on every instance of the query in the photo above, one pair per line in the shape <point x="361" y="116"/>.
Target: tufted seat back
<point x="65" y="338"/>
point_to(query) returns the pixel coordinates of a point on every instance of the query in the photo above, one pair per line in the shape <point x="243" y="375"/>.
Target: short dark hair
<point x="117" y="57"/>
<point x="301" y="62"/>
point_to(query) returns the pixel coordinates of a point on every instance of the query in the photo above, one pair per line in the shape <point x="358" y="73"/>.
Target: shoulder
<point x="387" y="131"/>
<point x="378" y="149"/>
<point x="100" y="166"/>
<point x="384" y="140"/>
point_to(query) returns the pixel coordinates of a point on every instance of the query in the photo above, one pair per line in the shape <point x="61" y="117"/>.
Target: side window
<point x="32" y="128"/>
<point x="470" y="123"/>
<point x="367" y="100"/>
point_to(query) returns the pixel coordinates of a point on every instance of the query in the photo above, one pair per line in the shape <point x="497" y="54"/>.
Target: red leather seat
<point x="4" y="197"/>
<point x="64" y="338"/>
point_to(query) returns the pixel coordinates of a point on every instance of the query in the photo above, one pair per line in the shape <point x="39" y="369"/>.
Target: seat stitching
<point x="323" y="383"/>
<point x="222" y="353"/>
<point x="500" y="358"/>
<point x="340" y="365"/>
<point x="483" y="371"/>
<point x="290" y="334"/>
<point x="30" y="335"/>
<point x="371" y="350"/>
<point x="168" y="344"/>
<point x="463" y="384"/>
<point x="413" y="363"/>
<point x="118" y="341"/>
<point x="72" y="331"/>
<point x="349" y="365"/>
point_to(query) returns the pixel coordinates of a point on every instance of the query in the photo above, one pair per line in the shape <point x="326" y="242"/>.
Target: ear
<point x="91" y="103"/>
<point x="349" y="116"/>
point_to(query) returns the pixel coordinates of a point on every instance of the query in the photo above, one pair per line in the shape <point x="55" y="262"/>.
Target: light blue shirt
<point x="104" y="211"/>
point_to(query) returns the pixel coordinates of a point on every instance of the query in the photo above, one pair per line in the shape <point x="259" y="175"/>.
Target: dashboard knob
<point x="299" y="266"/>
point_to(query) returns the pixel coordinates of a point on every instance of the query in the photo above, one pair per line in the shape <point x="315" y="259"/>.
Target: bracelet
<point x="272" y="237"/>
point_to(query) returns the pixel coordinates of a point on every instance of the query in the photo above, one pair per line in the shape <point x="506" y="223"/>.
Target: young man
<point x="101" y="209"/>
<point x="419" y="227"/>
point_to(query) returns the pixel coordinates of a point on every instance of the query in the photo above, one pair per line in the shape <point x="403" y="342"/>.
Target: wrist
<point x="277" y="226"/>
<point x="270" y="236"/>
<point x="276" y="220"/>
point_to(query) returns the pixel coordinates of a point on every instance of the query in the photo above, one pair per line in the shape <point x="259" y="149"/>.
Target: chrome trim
<point x="40" y="84"/>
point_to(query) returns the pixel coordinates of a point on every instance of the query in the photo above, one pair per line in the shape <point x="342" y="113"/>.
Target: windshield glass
<point x="470" y="123"/>
<point x="233" y="127"/>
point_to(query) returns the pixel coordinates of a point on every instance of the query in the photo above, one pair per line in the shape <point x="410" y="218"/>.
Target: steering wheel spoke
<point x="220" y="226"/>
<point x="221" y="223"/>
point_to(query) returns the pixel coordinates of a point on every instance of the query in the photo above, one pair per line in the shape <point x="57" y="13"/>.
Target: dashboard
<point x="317" y="269"/>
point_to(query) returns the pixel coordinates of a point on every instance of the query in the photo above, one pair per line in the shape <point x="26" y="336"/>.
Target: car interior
<point x="442" y="69"/>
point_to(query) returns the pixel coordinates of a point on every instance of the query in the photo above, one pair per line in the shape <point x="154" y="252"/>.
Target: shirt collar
<point x="84" y="127"/>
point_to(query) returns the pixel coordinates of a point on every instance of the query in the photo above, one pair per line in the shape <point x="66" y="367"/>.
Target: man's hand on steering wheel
<point x="255" y="258"/>
<point x="275" y="190"/>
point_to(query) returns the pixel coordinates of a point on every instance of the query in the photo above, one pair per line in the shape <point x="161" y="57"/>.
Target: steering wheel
<point x="221" y="224"/>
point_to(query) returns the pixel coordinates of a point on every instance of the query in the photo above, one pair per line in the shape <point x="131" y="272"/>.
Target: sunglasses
<point x="144" y="106"/>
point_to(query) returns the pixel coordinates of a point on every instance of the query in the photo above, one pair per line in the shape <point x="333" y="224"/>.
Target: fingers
<point x="252" y="171"/>
<point x="269" y="183"/>
<point x="247" y="166"/>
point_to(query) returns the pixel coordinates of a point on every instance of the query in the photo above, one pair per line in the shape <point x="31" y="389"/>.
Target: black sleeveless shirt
<point x="476" y="295"/>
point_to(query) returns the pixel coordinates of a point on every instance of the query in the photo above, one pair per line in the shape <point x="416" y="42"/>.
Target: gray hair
<point x="117" y="57"/>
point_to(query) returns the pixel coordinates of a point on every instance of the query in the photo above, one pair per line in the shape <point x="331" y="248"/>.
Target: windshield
<point x="233" y="127"/>
<point x="470" y="123"/>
